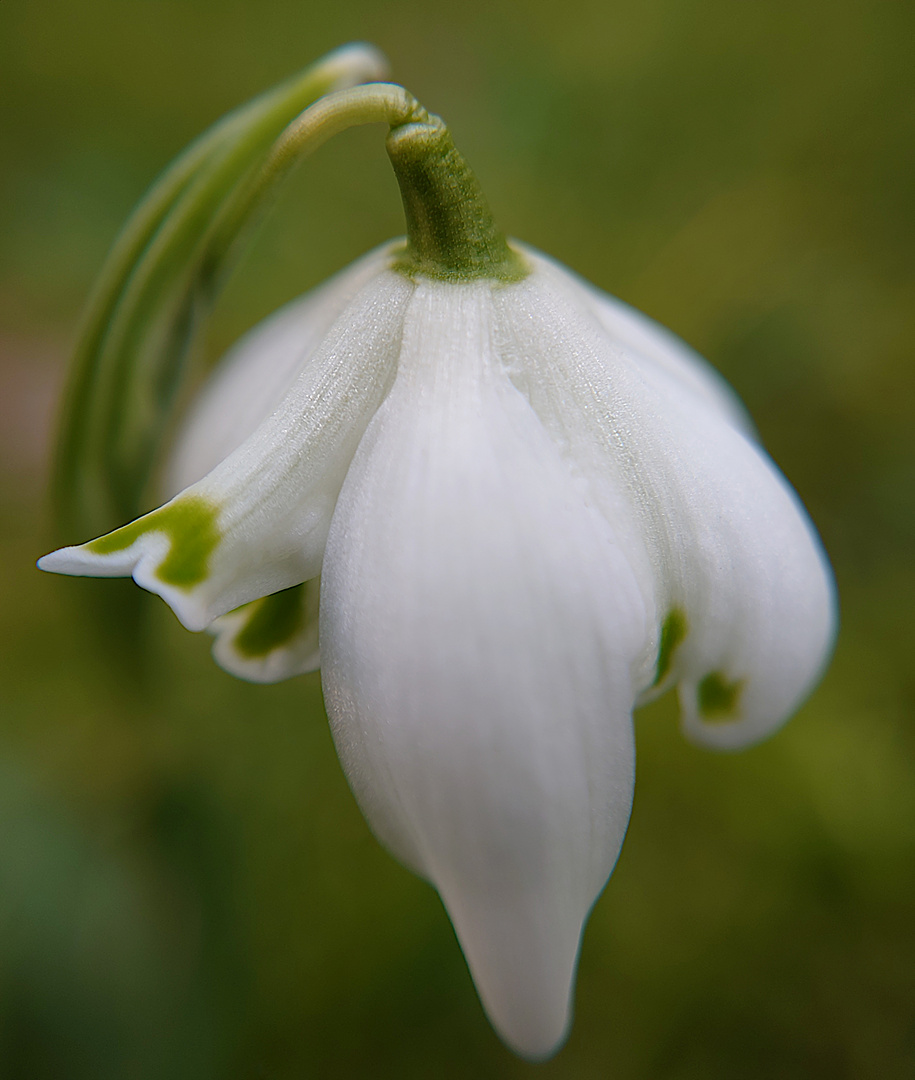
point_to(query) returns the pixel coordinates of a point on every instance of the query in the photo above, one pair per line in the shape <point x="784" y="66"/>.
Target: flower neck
<point x="450" y="231"/>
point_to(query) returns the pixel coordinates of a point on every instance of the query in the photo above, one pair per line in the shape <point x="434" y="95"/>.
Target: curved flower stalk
<point x="500" y="509"/>
<point x="162" y="275"/>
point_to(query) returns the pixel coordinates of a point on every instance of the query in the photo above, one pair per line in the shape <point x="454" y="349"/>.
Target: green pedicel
<point x="451" y="235"/>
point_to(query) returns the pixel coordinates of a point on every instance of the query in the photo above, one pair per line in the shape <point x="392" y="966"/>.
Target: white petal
<point x="737" y="561"/>
<point x="255" y="374"/>
<point x="257" y="523"/>
<point x="631" y="336"/>
<point x="480" y="627"/>
<point x="273" y="638"/>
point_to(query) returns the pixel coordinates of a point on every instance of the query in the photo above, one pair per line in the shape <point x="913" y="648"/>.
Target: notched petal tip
<point x="273" y="638"/>
<point x="713" y="713"/>
<point x="166" y="552"/>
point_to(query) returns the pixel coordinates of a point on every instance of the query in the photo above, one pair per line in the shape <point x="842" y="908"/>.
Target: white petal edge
<point x="480" y="626"/>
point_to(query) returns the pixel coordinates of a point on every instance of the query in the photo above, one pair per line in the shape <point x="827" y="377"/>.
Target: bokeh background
<point x="187" y="889"/>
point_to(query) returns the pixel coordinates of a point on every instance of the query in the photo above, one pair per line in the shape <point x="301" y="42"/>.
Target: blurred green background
<point x="186" y="886"/>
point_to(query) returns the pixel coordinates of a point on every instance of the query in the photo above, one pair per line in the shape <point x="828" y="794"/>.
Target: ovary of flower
<point x="531" y="509"/>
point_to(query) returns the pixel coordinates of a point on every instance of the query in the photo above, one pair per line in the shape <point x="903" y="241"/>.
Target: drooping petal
<point x="746" y="599"/>
<point x="257" y="523"/>
<point x="481" y="633"/>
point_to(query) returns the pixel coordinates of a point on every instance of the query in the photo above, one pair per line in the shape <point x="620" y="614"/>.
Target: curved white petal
<point x="252" y="378"/>
<point x="257" y="523"/>
<point x="481" y="625"/>
<point x="738" y="565"/>
<point x="273" y="638"/>
<point x="631" y="335"/>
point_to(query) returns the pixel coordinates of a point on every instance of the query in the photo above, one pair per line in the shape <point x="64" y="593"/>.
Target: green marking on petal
<point x="189" y="524"/>
<point x="673" y="631"/>
<point x="273" y="621"/>
<point x="718" y="699"/>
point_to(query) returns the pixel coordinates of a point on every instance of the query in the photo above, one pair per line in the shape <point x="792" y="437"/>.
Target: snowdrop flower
<point x="500" y="509"/>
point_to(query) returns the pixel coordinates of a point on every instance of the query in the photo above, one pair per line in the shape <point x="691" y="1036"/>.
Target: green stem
<point x="451" y="234"/>
<point x="450" y="229"/>
<point x="374" y="103"/>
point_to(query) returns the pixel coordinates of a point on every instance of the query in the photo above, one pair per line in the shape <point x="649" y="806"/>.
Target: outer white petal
<point x="255" y="374"/>
<point x="731" y="546"/>
<point x="481" y="625"/>
<point x="631" y="335"/>
<point x="257" y="523"/>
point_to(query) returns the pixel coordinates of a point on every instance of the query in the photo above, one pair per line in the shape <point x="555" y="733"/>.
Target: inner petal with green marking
<point x="271" y="622"/>
<point x="190" y="525"/>
<point x="673" y="632"/>
<point x="272" y="638"/>
<point x="719" y="698"/>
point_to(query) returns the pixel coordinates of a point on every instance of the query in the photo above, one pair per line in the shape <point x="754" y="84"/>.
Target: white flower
<point x="531" y="509"/>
